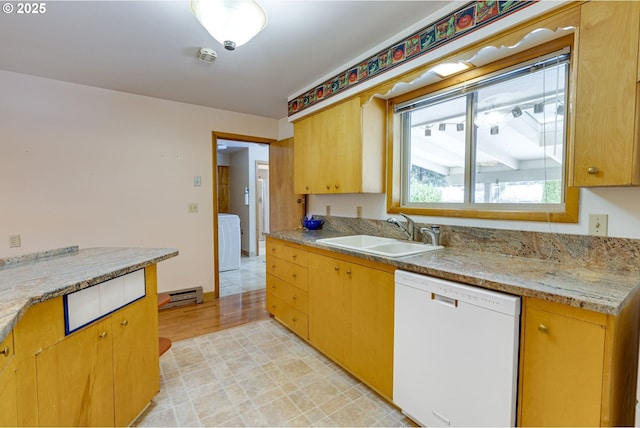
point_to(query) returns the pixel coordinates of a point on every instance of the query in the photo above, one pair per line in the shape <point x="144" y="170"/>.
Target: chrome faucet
<point x="409" y="229"/>
<point x="433" y="232"/>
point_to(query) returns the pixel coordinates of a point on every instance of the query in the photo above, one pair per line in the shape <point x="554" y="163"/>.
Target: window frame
<point x="482" y="210"/>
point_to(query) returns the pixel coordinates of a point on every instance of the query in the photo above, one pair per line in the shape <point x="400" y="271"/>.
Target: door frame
<point x="215" y="135"/>
<point x="258" y="164"/>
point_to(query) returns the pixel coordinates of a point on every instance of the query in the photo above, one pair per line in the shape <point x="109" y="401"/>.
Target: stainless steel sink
<point x="387" y="247"/>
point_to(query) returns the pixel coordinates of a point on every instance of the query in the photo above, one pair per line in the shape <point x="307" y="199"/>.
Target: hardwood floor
<point x="212" y="315"/>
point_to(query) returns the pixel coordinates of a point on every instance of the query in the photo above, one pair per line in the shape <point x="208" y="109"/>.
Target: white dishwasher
<point x="455" y="352"/>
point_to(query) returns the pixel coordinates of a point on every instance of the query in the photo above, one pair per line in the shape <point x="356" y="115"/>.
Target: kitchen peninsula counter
<point x="31" y="279"/>
<point x="576" y="285"/>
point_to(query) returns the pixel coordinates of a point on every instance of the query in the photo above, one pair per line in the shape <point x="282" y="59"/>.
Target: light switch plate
<point x="197" y="181"/>
<point x="598" y="224"/>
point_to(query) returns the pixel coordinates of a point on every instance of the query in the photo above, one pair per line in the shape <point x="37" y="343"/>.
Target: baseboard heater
<point x="187" y="296"/>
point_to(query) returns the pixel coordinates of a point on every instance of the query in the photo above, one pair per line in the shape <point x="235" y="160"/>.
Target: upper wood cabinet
<point x="341" y="149"/>
<point x="607" y="109"/>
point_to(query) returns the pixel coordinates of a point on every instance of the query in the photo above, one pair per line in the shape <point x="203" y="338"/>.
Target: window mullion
<point x="470" y="141"/>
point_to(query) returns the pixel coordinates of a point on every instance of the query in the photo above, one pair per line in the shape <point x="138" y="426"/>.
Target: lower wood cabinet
<point x="343" y="308"/>
<point x="75" y="379"/>
<point x="103" y="374"/>
<point x="577" y="367"/>
<point x="287" y="285"/>
<point x="8" y="394"/>
<point x="351" y="317"/>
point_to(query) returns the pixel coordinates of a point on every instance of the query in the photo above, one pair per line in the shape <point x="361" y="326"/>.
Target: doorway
<point x="240" y="185"/>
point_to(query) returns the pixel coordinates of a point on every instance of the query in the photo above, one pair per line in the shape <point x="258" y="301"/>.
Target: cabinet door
<point x="328" y="318"/>
<point x="8" y="392"/>
<point x="370" y="347"/>
<point x="344" y="148"/>
<point x="75" y="379"/>
<point x="562" y="370"/>
<point x="302" y="149"/>
<point x="8" y="398"/>
<point x="606" y="141"/>
<point x="136" y="367"/>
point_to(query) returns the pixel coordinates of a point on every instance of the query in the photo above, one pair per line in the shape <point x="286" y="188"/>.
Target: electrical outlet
<point x="328" y="210"/>
<point x="359" y="212"/>
<point x="598" y="224"/>
<point x="14" y="241"/>
<point x="197" y="181"/>
<point x="193" y="207"/>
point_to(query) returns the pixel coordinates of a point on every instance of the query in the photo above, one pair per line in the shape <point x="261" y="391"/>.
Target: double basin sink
<point x="386" y="247"/>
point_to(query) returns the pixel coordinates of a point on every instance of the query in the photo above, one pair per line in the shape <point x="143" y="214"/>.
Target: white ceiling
<point x="149" y="48"/>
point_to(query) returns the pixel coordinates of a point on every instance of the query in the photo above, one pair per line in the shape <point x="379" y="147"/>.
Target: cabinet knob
<point x="336" y="268"/>
<point x="124" y="323"/>
<point x="328" y="187"/>
<point x="294" y="256"/>
<point x="306" y="187"/>
<point x="102" y="335"/>
<point x="294" y="297"/>
<point x="5" y="351"/>
<point x="337" y="186"/>
<point x="348" y="271"/>
<point x="295" y="319"/>
<point x="592" y="170"/>
<point x="293" y="275"/>
<point x="543" y="328"/>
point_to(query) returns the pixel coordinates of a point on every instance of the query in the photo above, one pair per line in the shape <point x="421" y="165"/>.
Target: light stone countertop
<point x="34" y="278"/>
<point x="599" y="290"/>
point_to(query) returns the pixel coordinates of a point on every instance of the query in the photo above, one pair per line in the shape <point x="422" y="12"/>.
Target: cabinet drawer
<point x="295" y="297"/>
<point x="6" y="351"/>
<point x="292" y="318"/>
<point x="288" y="272"/>
<point x="289" y="253"/>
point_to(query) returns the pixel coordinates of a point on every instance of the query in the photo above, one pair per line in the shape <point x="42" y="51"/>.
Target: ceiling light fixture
<point x="446" y="69"/>
<point x="231" y="22"/>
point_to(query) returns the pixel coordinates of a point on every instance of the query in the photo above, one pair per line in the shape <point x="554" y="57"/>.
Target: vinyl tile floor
<point x="260" y="374"/>
<point x="251" y="276"/>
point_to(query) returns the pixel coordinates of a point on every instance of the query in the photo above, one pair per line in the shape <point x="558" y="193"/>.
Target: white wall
<point x="92" y="167"/>
<point x="621" y="204"/>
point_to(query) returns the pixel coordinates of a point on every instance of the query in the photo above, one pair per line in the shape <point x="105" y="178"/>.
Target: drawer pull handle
<point x="124" y="323"/>
<point x="103" y="335"/>
<point x="592" y="170"/>
<point x="5" y="351"/>
<point x="543" y="328"/>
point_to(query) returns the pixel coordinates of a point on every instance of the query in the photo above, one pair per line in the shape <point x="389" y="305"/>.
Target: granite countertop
<point x="599" y="290"/>
<point x="34" y="278"/>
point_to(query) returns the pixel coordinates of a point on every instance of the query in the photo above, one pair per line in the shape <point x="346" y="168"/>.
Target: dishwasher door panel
<point x="455" y="363"/>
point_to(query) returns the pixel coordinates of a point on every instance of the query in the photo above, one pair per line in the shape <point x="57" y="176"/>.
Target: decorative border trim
<point x="461" y="22"/>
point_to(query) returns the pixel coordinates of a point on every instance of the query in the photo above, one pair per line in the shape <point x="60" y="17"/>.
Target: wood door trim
<point x="214" y="193"/>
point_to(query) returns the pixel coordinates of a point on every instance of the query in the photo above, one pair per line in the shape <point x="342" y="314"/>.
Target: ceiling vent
<point x="207" y="55"/>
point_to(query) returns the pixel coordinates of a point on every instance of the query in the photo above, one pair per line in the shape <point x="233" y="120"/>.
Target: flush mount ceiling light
<point x="231" y="22"/>
<point x="446" y="69"/>
<point x="516" y="112"/>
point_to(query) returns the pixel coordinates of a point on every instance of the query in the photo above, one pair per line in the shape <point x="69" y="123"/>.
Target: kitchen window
<point x="493" y="146"/>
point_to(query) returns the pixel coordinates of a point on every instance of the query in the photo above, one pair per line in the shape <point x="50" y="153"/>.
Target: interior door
<point x="286" y="207"/>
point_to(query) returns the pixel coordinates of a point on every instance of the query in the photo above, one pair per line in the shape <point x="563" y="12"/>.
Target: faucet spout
<point x="409" y="230"/>
<point x="434" y="234"/>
